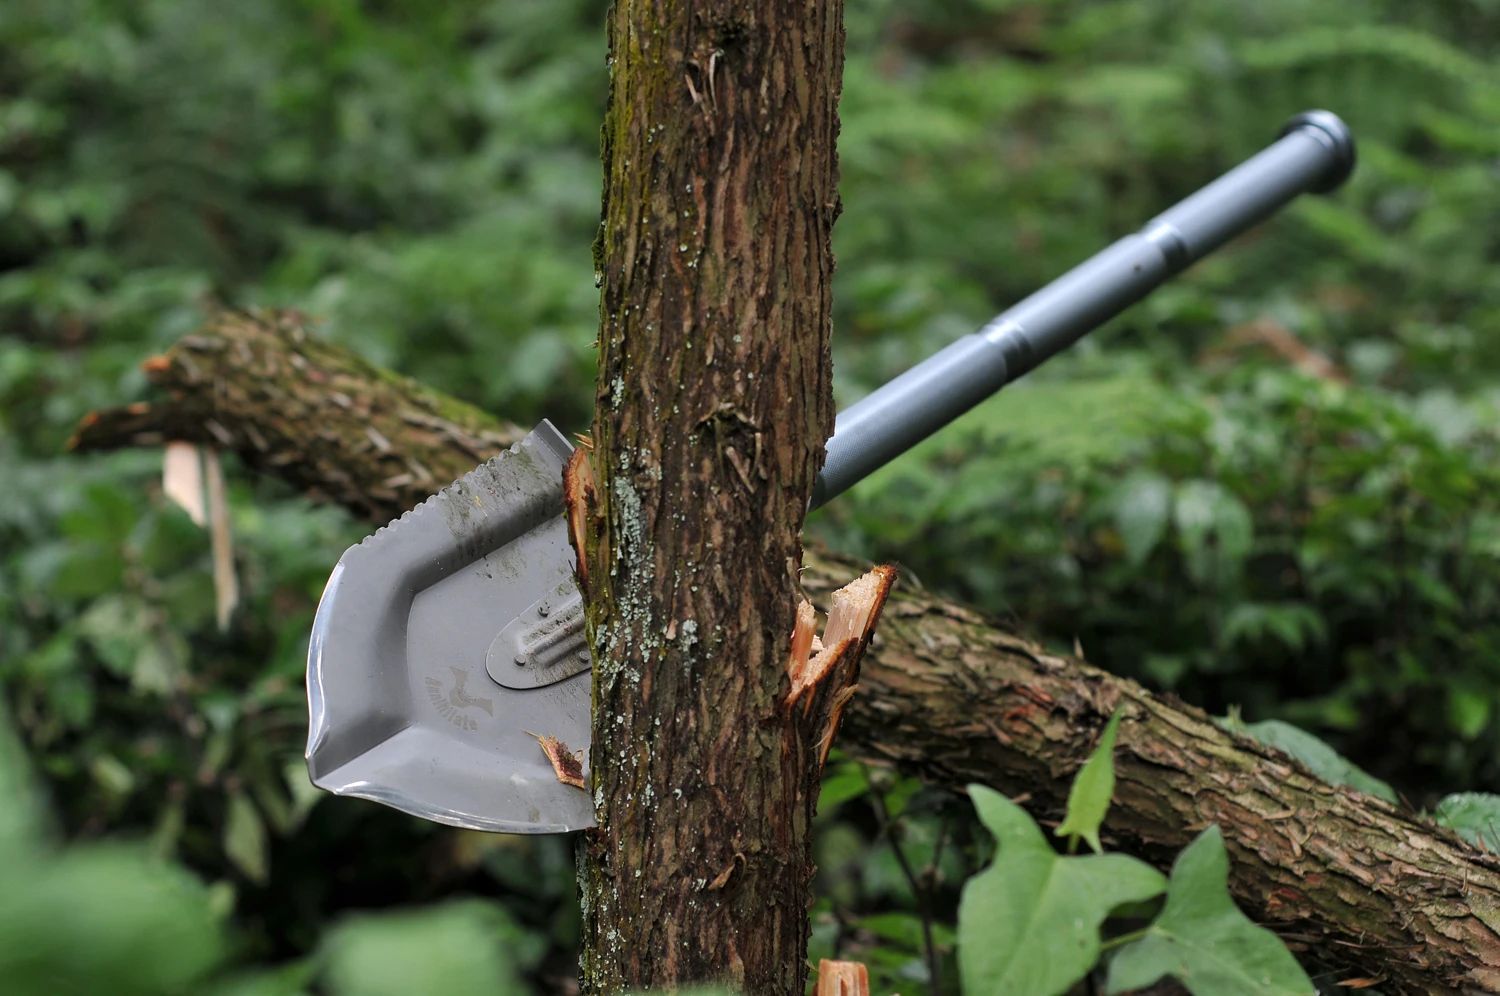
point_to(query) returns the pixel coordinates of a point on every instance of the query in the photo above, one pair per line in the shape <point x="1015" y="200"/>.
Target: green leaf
<point x="1321" y="759"/>
<point x="159" y="664"/>
<point x="900" y="795"/>
<point x="1141" y="509"/>
<point x="1468" y="711"/>
<point x="284" y="980"/>
<point x="1029" y="924"/>
<point x="305" y="795"/>
<point x="245" y="838"/>
<point x="107" y="516"/>
<point x="1215" y="528"/>
<point x="1093" y="787"/>
<point x="116" y="627"/>
<point x="267" y="789"/>
<point x="87" y="570"/>
<point x="1292" y="623"/>
<point x="112" y="775"/>
<point x="901" y="929"/>
<point x="104" y="919"/>
<point x="1203" y="939"/>
<point x="20" y="816"/>
<point x="453" y="949"/>
<point x="168" y="829"/>
<point x="843" y="783"/>
<point x="1475" y="815"/>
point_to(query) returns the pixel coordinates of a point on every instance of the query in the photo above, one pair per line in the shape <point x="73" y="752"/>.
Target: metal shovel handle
<point x="1314" y="153"/>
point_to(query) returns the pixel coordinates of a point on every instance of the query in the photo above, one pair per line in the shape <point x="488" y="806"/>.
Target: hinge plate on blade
<point x="544" y="644"/>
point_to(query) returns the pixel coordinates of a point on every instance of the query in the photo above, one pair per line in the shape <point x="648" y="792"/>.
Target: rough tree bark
<point x="950" y="696"/>
<point x="714" y="402"/>
<point x="305" y="410"/>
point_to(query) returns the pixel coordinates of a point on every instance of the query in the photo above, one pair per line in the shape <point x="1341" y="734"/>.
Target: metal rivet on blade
<point x="522" y="660"/>
<point x="583" y="655"/>
<point x="543" y="609"/>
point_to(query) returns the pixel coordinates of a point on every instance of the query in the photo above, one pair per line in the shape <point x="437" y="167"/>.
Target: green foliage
<point x="892" y="857"/>
<point x="424" y="179"/>
<point x="1193" y="509"/>
<point x="94" y="916"/>
<point x="463" y="945"/>
<point x="1250" y="536"/>
<point x="108" y="917"/>
<point x="1475" y="815"/>
<point x="1093" y="788"/>
<point x="1321" y="759"/>
<point x="1029" y="924"/>
<point x="133" y="925"/>
<point x="1204" y="941"/>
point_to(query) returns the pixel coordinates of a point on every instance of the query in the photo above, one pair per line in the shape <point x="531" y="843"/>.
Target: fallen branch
<point x="944" y="693"/>
<point x="307" y="411"/>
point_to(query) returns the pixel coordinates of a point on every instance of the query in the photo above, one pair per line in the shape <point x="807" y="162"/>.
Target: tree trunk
<point x="951" y="697"/>
<point x="714" y="402"/>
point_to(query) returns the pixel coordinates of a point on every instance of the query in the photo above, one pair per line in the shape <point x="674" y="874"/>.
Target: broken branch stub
<point x="580" y="502"/>
<point x="825" y="681"/>
<point x="843" y="978"/>
<point x="851" y="623"/>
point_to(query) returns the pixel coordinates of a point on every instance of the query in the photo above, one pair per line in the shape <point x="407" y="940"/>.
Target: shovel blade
<point x="403" y="709"/>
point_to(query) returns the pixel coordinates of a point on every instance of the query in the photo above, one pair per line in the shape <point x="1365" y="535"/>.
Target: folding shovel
<point x="444" y="638"/>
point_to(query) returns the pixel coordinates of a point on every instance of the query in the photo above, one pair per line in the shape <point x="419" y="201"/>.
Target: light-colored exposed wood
<point x="843" y="978"/>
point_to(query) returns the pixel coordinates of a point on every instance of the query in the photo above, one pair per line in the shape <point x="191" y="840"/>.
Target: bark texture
<point x="304" y="410"/>
<point x="950" y="696"/>
<point x="714" y="402"/>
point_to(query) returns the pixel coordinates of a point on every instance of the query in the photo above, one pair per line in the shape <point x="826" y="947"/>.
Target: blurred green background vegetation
<point x="1188" y="496"/>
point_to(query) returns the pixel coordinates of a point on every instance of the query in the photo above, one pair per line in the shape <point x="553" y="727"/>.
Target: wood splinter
<point x="843" y="978"/>
<point x="568" y="765"/>
<point x="823" y="672"/>
<point x="851" y="622"/>
<point x="579" y="500"/>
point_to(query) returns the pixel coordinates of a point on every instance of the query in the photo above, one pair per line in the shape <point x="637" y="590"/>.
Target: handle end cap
<point x="1331" y="130"/>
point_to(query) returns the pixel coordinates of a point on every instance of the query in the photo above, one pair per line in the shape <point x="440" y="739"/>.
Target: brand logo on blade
<point x="449" y="703"/>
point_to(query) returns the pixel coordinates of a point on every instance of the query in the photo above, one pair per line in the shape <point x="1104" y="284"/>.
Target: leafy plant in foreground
<point x="1204" y="940"/>
<point x="1029" y="925"/>
<point x="114" y="918"/>
<point x="1320" y="758"/>
<point x="1093" y="787"/>
<point x="1474" y="815"/>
